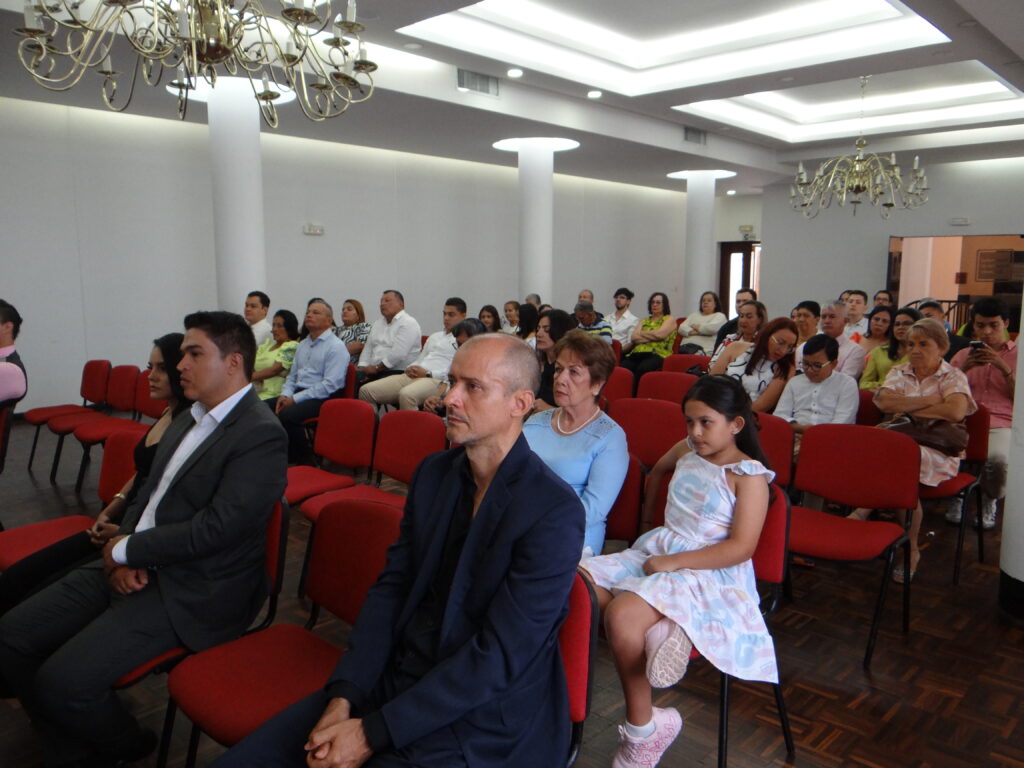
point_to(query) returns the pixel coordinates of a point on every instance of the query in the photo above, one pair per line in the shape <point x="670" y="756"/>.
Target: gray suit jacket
<point x="207" y="547"/>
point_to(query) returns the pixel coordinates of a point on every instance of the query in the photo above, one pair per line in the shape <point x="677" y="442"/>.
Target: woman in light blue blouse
<point x="577" y="439"/>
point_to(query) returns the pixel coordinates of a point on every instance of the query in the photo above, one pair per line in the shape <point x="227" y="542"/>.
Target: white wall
<point x="733" y="212"/>
<point x="108" y="234"/>
<point x="817" y="258"/>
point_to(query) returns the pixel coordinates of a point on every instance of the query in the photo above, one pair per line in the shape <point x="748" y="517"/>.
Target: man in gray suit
<point x="186" y="569"/>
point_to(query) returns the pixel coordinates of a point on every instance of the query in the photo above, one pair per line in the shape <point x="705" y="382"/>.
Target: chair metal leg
<point x="35" y="440"/>
<point x="787" y="733"/>
<point x="56" y="459"/>
<point x="82" y="466"/>
<point x="165" y="735"/>
<point x="887" y="573"/>
<point x="723" y="722"/>
<point x="305" y="562"/>
<point x="977" y="523"/>
<point x="907" y="581"/>
<point x="193" y="746"/>
<point x="960" y="540"/>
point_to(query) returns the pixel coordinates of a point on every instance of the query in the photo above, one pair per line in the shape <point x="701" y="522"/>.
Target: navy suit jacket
<point x="499" y="683"/>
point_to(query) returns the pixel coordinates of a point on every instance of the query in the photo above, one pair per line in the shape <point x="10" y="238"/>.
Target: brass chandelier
<point x="859" y="178"/>
<point x="319" y="56"/>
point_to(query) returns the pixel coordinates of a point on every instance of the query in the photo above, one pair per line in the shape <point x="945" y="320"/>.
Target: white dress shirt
<point x="852" y="358"/>
<point x="262" y="331"/>
<point x="832" y="401"/>
<point x="394" y="345"/>
<point x="861" y="327"/>
<point x="206" y="423"/>
<point x="623" y="327"/>
<point x="437" y="354"/>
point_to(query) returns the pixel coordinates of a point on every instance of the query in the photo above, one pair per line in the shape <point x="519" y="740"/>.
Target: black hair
<point x="471" y="327"/>
<point x="894" y="344"/>
<point x="494" y="313"/>
<point x="229" y="332"/>
<point x="456" y="302"/>
<point x="528" y="317"/>
<point x="751" y="291"/>
<point x="8" y="314"/>
<point x="930" y="303"/>
<point x="560" y="323"/>
<point x="398" y="295"/>
<point x="624" y="292"/>
<point x="727" y="396"/>
<point x="665" y="308"/>
<point x="879" y="310"/>
<point x="886" y="291"/>
<point x="290" y="323"/>
<point x="170" y="350"/>
<point x="811" y="306"/>
<point x="822" y="341"/>
<point x="858" y="292"/>
<point x="990" y="307"/>
<point x="712" y="294"/>
<point x="264" y="299"/>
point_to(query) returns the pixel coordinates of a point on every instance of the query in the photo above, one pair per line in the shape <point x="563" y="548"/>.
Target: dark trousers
<point x="42" y="568"/>
<point x="299" y="449"/>
<point x="640" y="363"/>
<point x="64" y="648"/>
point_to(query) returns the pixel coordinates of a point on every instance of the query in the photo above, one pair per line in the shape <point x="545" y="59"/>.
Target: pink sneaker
<point x="668" y="653"/>
<point x="645" y="753"/>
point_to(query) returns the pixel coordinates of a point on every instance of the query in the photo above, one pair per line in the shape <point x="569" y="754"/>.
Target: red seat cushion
<point x="68" y="423"/>
<point x="156" y="664"/>
<point x="304" y="482"/>
<point x="18" y="543"/>
<point x="311" y="508"/>
<point x="232" y="689"/>
<point x="820" y="534"/>
<point x="98" y="430"/>
<point x="950" y="487"/>
<point x="42" y="415"/>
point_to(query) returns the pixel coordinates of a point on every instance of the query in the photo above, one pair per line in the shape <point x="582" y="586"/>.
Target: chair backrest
<point x="776" y="438"/>
<point x="145" y="405"/>
<point x="859" y="466"/>
<point x="344" y="432"/>
<point x="94" y="381"/>
<point x="121" y="387"/>
<point x="576" y="640"/>
<point x="118" y="463"/>
<point x="349" y="552"/>
<point x="772" y="547"/>
<point x="977" y="435"/>
<point x="671" y="386"/>
<point x="618" y="386"/>
<point x="404" y="439"/>
<point x="676" y="339"/>
<point x="683" y="363"/>
<point x="656" y="516"/>
<point x="617" y="349"/>
<point x="868" y="414"/>
<point x="623" y="521"/>
<point x="5" y="433"/>
<point x="349" y="390"/>
<point x="274" y="555"/>
<point x="651" y="426"/>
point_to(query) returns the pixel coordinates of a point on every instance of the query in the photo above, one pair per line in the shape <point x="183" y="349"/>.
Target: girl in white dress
<point x="690" y="583"/>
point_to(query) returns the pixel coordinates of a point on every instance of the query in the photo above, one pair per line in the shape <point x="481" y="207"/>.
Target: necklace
<point x="567" y="432"/>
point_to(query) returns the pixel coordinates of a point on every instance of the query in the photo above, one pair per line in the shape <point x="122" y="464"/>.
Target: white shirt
<point x="437" y="354"/>
<point x="861" y="327"/>
<point x="206" y="423"/>
<point x="394" y="345"/>
<point x="832" y="401"/>
<point x="852" y="358"/>
<point x="261" y="330"/>
<point x="623" y="327"/>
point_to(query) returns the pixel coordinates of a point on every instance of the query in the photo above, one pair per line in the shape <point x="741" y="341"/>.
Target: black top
<point x="547" y="383"/>
<point x="730" y="326"/>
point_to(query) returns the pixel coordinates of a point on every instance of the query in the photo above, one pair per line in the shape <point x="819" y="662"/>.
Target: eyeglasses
<point x="809" y="366"/>
<point x="903" y="324"/>
<point x="787" y="347"/>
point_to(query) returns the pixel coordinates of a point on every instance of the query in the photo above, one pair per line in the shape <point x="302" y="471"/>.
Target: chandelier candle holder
<point x="859" y="178"/>
<point x="308" y="50"/>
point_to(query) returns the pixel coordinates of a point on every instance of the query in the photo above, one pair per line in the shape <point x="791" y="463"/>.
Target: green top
<point x="878" y="367"/>
<point x="661" y="348"/>
<point x="266" y="357"/>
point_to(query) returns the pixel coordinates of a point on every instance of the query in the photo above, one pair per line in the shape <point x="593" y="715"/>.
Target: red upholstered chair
<point x="868" y="414"/>
<point x="344" y="436"/>
<point x="651" y="426"/>
<point x="350" y="382"/>
<point x="859" y="467"/>
<point x="5" y="433"/>
<point x="619" y="385"/>
<point x="93" y="389"/>
<point x="964" y="483"/>
<point x="671" y="386"/>
<point x="623" y="522"/>
<point x="776" y="438"/>
<point x="617" y="349"/>
<point x="230" y="690"/>
<point x="683" y="363"/>
<point x="576" y="640"/>
<point x="120" y="396"/>
<point x="145" y="405"/>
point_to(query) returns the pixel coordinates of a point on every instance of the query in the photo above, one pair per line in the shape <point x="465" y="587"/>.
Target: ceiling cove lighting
<point x="316" y="55"/>
<point x="539" y="142"/>
<point x="857" y="179"/>
<point x="515" y="73"/>
<point x="595" y="94"/>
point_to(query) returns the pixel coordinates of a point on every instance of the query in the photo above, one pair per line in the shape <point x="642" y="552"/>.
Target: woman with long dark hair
<point x="764" y="366"/>
<point x="528" y="317"/>
<point x="652" y="340"/>
<point x="552" y="326"/>
<point x="489" y="316"/>
<point x="893" y="352"/>
<point x="879" y="322"/>
<point x="274" y="357"/>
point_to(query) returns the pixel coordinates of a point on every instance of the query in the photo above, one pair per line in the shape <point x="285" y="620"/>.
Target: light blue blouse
<point x="593" y="461"/>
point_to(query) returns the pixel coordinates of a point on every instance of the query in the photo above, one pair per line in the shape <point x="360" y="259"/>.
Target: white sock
<point x="639" y="731"/>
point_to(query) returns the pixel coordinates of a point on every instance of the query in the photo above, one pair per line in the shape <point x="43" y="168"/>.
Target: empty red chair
<point x="577" y="640"/>
<point x="344" y="436"/>
<point x="868" y="414"/>
<point x="230" y="690"/>
<point x="623" y="521"/>
<point x="683" y="363"/>
<point x="776" y="438"/>
<point x="671" y="386"/>
<point x="93" y="389"/>
<point x="651" y="426"/>
<point x="618" y="386"/>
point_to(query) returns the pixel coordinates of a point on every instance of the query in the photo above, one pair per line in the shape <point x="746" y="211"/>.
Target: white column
<point x="1011" y="556"/>
<point x="536" y="220"/>
<point x="700" y="271"/>
<point x="234" y="124"/>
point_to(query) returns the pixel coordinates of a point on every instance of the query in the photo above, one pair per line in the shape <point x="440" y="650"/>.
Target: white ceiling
<point x="767" y="93"/>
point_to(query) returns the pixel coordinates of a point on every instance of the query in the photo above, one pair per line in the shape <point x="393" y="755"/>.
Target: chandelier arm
<point x="109" y="79"/>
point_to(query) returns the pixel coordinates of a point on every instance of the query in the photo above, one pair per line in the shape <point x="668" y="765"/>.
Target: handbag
<point x="947" y="437"/>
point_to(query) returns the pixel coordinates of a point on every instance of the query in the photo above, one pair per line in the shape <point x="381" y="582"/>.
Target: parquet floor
<point x="948" y="695"/>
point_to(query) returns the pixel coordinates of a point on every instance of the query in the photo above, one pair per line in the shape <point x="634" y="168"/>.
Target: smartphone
<point x="975" y="344"/>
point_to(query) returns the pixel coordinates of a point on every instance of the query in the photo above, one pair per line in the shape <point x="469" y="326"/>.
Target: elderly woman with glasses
<point x="764" y="365"/>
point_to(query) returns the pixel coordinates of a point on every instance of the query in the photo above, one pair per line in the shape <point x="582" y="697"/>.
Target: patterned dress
<point x="718" y="609"/>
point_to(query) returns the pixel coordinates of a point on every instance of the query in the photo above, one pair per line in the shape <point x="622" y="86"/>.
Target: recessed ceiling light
<point x="412" y="46"/>
<point x="730" y="192"/>
<point x="461" y="89"/>
<point x="515" y="72"/>
<point x="542" y="142"/>
<point x="718" y="174"/>
<point x="595" y="94"/>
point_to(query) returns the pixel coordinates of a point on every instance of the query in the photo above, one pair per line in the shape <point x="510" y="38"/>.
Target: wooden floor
<point x="951" y="693"/>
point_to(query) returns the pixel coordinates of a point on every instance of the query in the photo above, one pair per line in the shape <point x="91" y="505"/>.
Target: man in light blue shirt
<point x="321" y="362"/>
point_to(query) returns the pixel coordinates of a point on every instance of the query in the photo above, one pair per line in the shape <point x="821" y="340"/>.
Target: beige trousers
<point x="401" y="390"/>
